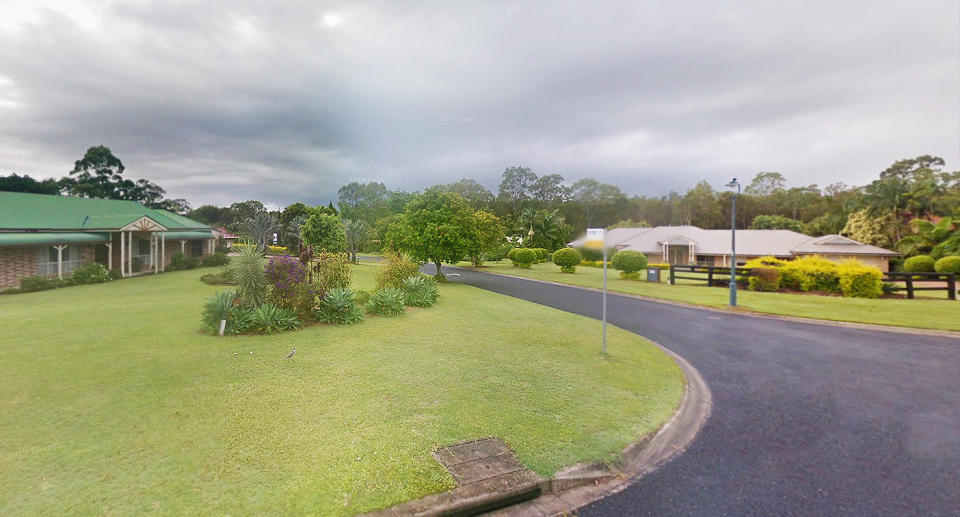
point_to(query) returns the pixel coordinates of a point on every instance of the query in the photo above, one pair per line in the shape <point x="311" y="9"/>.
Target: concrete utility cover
<point x="478" y="460"/>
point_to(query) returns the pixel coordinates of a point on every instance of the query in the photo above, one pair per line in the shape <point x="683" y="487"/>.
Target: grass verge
<point x="113" y="402"/>
<point x="924" y="313"/>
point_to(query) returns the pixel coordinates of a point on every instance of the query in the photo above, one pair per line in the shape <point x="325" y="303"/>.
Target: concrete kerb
<point x="744" y="312"/>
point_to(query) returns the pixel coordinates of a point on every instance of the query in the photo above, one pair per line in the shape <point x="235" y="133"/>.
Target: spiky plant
<point x="420" y="291"/>
<point x="217" y="308"/>
<point x="386" y="302"/>
<point x="260" y="229"/>
<point x="358" y="233"/>
<point x="247" y="271"/>
<point x="339" y="307"/>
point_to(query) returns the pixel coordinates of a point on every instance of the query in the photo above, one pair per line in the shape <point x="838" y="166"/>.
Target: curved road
<point x="807" y="419"/>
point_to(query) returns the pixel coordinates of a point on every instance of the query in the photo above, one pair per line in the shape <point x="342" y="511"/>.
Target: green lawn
<point x="929" y="313"/>
<point x="113" y="402"/>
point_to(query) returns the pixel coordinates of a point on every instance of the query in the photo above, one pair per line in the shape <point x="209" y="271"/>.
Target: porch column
<point x="691" y="259"/>
<point x="182" y="244"/>
<point x="130" y="254"/>
<point x="123" y="242"/>
<point x="163" y="251"/>
<point x="154" y="249"/>
<point x="109" y="245"/>
<point x="60" y="260"/>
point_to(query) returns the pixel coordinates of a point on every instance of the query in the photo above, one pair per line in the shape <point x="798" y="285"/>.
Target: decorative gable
<point x="836" y="239"/>
<point x="144" y="224"/>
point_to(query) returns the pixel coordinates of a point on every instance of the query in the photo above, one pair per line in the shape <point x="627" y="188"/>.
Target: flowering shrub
<point x="291" y="288"/>
<point x="394" y="269"/>
<point x="331" y="270"/>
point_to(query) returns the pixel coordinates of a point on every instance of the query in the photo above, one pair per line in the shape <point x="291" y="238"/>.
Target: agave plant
<point x="217" y="308"/>
<point x="339" y="307"/>
<point x="420" y="291"/>
<point x="386" y="302"/>
<point x="247" y="271"/>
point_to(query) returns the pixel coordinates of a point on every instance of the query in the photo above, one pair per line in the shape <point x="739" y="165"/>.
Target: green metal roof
<point x="20" y="211"/>
<point x="27" y="239"/>
<point x="178" y="236"/>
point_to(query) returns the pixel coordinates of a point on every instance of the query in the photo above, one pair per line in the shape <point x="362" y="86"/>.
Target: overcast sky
<point x="281" y="102"/>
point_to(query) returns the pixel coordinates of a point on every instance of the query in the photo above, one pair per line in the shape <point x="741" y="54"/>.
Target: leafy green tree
<point x="515" y="188"/>
<point x="927" y="235"/>
<point x="863" y="227"/>
<point x="475" y="194"/>
<point x="16" y="183"/>
<point x="437" y="227"/>
<point x="324" y="232"/>
<point x="490" y="235"/>
<point x="549" y="190"/>
<point x="766" y="183"/>
<point x="367" y="202"/>
<point x="777" y="222"/>
<point x="97" y="174"/>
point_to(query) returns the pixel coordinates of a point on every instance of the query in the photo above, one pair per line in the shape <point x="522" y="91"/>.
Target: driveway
<point x="807" y="419"/>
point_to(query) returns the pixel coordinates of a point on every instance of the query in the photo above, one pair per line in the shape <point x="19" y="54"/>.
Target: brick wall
<point x="15" y="263"/>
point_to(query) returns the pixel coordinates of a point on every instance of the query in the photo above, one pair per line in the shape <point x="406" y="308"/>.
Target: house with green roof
<point x="53" y="235"/>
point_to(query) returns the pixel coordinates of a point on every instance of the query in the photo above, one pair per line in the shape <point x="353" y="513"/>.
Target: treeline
<point x="909" y="206"/>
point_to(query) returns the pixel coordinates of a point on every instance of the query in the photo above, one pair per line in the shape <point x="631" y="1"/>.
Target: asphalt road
<point x="807" y="419"/>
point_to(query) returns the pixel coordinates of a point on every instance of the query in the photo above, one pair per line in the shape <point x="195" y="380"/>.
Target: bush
<point x="324" y="232"/>
<point x="176" y="261"/>
<point x="420" y="291"/>
<point x="765" y="279"/>
<point x="629" y="263"/>
<point x="291" y="288"/>
<point x="339" y="307"/>
<point x="116" y="274"/>
<point x="247" y="270"/>
<point x="386" y="302"/>
<point x="221" y="277"/>
<point x="216" y="308"/>
<point x="91" y="273"/>
<point x="567" y="259"/>
<point x="38" y="283"/>
<point x="215" y="259"/>
<point x="499" y="253"/>
<point x="542" y="254"/>
<point x="860" y="281"/>
<point x="331" y="270"/>
<point x="659" y="265"/>
<point x="524" y="257"/>
<point x="810" y="273"/>
<point x="919" y="264"/>
<point x="267" y="318"/>
<point x="765" y="261"/>
<point x="394" y="269"/>
<point x="948" y="264"/>
<point x="191" y="263"/>
<point x="361" y="297"/>
<point x="276" y="250"/>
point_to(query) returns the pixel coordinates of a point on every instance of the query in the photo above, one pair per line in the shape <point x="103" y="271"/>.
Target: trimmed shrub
<point x="810" y="273"/>
<point x="331" y="270"/>
<point x="629" y="263"/>
<point x="765" y="279"/>
<point x="948" y="264"/>
<point x="386" y="302"/>
<point x="339" y="307"/>
<point x="567" y="259"/>
<point x="216" y="308"/>
<point x="291" y="288"/>
<point x="276" y="250"/>
<point x="215" y="260"/>
<point x="420" y="291"/>
<point x="542" y="254"/>
<point x="394" y="269"/>
<point x="38" y="283"/>
<point x="221" y="277"/>
<point x="91" y="273"/>
<point x="524" y="257"/>
<point x="661" y="266"/>
<point x="860" y="281"/>
<point x="765" y="261"/>
<point x="176" y="261"/>
<point x="919" y="264"/>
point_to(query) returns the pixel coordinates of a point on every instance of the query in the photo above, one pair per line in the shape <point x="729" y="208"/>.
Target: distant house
<point x="229" y="239"/>
<point x="693" y="245"/>
<point x="53" y="235"/>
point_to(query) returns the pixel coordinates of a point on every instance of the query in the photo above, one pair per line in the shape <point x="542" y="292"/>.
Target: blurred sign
<point x="596" y="238"/>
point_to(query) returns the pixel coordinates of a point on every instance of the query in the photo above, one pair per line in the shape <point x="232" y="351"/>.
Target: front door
<point x="678" y="255"/>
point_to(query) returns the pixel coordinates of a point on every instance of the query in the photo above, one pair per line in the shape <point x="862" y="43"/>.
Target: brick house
<point x="682" y="245"/>
<point x="53" y="235"/>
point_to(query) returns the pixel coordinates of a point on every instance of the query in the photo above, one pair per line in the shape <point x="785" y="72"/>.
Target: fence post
<point x="709" y="276"/>
<point x="673" y="280"/>
<point x="909" y="287"/>
<point x="952" y="286"/>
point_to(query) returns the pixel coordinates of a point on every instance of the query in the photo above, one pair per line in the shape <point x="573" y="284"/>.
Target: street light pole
<point x="733" y="243"/>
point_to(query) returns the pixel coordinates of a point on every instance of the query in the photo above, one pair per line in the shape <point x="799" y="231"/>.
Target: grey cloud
<point x="260" y="100"/>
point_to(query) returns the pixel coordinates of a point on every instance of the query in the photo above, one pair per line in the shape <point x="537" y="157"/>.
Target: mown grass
<point x="113" y="402"/>
<point x="926" y="313"/>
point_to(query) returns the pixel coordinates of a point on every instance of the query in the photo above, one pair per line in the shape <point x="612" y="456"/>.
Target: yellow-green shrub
<point x="765" y="279"/>
<point x="810" y="273"/>
<point x="276" y="250"/>
<point x="765" y="261"/>
<point x="858" y="280"/>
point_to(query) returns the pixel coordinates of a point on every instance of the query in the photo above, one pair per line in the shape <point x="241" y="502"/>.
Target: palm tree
<point x="260" y="228"/>
<point x="358" y="233"/>
<point x="926" y="235"/>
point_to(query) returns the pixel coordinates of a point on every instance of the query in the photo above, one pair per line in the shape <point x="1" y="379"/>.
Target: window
<point x="704" y="260"/>
<point x="47" y="259"/>
<point x="141" y="251"/>
<point x="196" y="248"/>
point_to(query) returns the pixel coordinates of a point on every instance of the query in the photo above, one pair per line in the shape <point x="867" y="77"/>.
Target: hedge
<point x="523" y="257"/>
<point x="860" y="281"/>
<point x="948" y="264"/>
<point x="919" y="264"/>
<point x="567" y="259"/>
